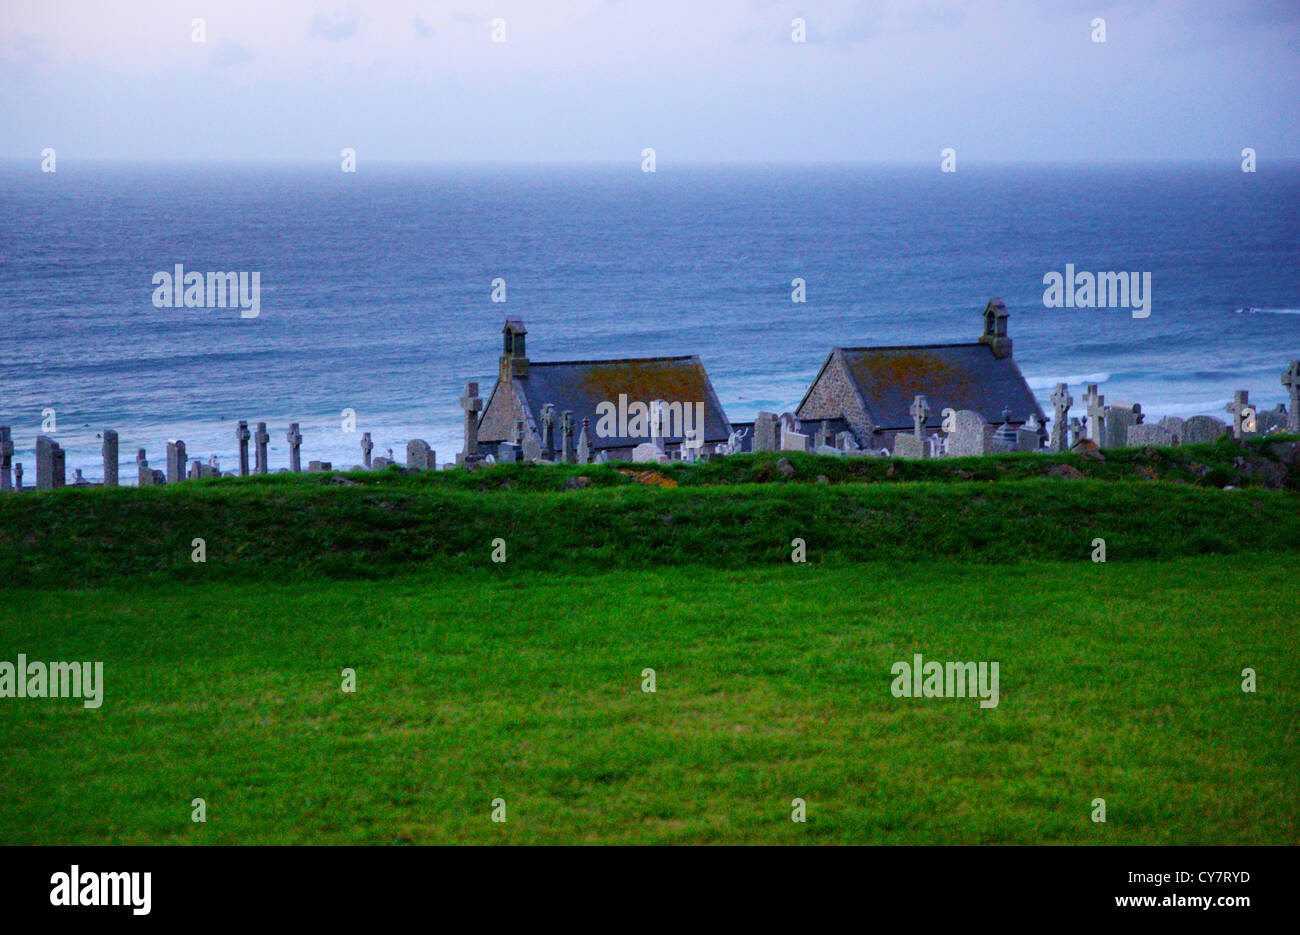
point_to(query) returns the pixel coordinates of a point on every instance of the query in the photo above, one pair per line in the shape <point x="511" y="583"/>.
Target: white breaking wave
<point x="1268" y="311"/>
<point x="1047" y="383"/>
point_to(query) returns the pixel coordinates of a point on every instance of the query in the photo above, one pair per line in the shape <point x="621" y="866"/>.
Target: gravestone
<point x="294" y="438"/>
<point x="472" y="405"/>
<point x="49" y="464"/>
<point x="260" y="439"/>
<point x="845" y="441"/>
<point x="1096" y="414"/>
<point x="566" y="437"/>
<point x="1176" y="427"/>
<point x="656" y="422"/>
<point x="1076" y="430"/>
<point x="367" y="446"/>
<point x="175" y="461"/>
<point x="530" y="450"/>
<point x="1004" y="437"/>
<point x="146" y="476"/>
<point x="18" y="476"/>
<point x="1203" y="429"/>
<point x="908" y="446"/>
<point x="792" y="440"/>
<point x="584" y="443"/>
<point x="1061" y="403"/>
<point x="109" y="452"/>
<point x="1118" y="420"/>
<point x="508" y="452"/>
<point x="1157" y="436"/>
<point x="969" y="435"/>
<point x="1028" y="439"/>
<point x="765" y="432"/>
<point x="548" y="423"/>
<point x="78" y="480"/>
<point x="316" y="467"/>
<point x="381" y="463"/>
<point x="822" y="438"/>
<point x="1243" y="414"/>
<point x="6" y="458"/>
<point x="243" y="435"/>
<point x="647" y="452"/>
<point x="419" y="456"/>
<point x="1291" y="380"/>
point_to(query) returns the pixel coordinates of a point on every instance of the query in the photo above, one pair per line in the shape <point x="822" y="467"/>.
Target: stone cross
<point x="366" y="447"/>
<point x="6" y="458"/>
<point x="472" y="405"/>
<point x="50" y="473"/>
<point x="1061" y="403"/>
<point x="584" y="444"/>
<point x="1076" y="430"/>
<point x="548" y="420"/>
<point x="1239" y="406"/>
<point x="566" y="437"/>
<point x="1291" y="380"/>
<point x="109" y="451"/>
<point x="919" y="410"/>
<point x="175" y="461"/>
<point x="294" y="438"/>
<point x="243" y="435"/>
<point x="1096" y="413"/>
<point x="260" y="439"/>
<point x="822" y="437"/>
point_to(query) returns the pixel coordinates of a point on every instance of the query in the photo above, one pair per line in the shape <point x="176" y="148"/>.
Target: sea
<point x="377" y="287"/>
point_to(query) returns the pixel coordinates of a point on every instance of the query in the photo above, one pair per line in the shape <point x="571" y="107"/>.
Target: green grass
<point x="1119" y="681"/>
<point x="522" y="680"/>
<point x="304" y="528"/>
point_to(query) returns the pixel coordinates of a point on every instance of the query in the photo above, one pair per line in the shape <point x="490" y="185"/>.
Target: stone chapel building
<point x="869" y="390"/>
<point x="530" y="400"/>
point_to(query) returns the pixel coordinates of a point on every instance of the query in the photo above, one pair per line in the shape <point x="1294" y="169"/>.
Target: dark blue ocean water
<point x="376" y="286"/>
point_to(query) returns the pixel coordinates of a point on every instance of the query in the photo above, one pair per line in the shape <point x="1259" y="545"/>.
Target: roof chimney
<point x="995" y="328"/>
<point x="514" y="359"/>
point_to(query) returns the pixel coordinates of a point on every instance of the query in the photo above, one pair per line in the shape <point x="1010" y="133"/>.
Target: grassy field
<point x="1119" y="681"/>
<point x="523" y="680"/>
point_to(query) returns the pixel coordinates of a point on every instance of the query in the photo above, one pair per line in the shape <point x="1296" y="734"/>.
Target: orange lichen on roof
<point x="909" y="373"/>
<point x="645" y="380"/>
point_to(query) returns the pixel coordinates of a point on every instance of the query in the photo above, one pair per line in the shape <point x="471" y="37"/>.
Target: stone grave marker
<point x="108" y="450"/>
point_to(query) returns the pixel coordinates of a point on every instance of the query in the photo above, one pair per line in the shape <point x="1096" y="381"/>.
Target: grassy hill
<point x="523" y="679"/>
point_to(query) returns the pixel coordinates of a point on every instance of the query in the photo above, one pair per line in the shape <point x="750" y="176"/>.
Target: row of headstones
<point x="1123" y="426"/>
<point x="526" y="447"/>
<point x="51" y="472"/>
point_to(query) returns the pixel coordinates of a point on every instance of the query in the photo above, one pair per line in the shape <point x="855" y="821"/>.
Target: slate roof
<point x="581" y="385"/>
<point x="960" y="376"/>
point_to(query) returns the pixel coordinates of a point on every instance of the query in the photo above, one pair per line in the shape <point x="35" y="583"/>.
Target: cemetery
<point x="918" y="502"/>
<point x="913" y="403"/>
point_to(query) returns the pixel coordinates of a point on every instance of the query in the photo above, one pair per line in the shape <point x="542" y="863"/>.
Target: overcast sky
<point x="698" y="80"/>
